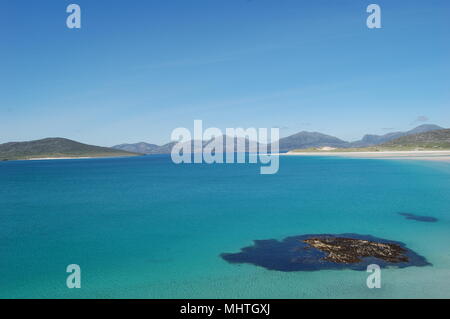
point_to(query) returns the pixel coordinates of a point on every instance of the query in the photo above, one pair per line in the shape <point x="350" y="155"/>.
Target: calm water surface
<point x="146" y="228"/>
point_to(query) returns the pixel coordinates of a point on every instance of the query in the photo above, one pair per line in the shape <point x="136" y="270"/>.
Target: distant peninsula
<point x="436" y="140"/>
<point x="426" y="146"/>
<point x="54" y="148"/>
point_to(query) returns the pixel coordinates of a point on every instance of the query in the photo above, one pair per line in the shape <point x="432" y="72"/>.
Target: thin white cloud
<point x="421" y="119"/>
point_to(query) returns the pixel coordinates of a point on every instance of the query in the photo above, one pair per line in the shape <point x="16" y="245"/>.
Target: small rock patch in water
<point x="326" y="251"/>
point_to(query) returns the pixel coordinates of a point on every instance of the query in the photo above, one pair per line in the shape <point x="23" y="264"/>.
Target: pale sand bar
<point x="411" y="155"/>
<point x="55" y="158"/>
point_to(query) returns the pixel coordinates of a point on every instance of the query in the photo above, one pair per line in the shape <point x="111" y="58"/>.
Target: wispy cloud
<point x="206" y="60"/>
<point x="188" y="62"/>
<point x="281" y="128"/>
<point x="421" y="119"/>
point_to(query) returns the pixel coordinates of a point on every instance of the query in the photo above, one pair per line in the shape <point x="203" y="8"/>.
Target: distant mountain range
<point x="147" y="148"/>
<point x="424" y="136"/>
<point x="142" y="147"/>
<point x="301" y="140"/>
<point x="54" y="148"/>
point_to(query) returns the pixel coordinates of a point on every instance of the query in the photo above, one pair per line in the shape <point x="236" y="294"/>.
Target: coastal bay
<point x="143" y="227"/>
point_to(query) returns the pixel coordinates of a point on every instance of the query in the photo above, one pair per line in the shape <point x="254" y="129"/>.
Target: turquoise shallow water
<point x="147" y="228"/>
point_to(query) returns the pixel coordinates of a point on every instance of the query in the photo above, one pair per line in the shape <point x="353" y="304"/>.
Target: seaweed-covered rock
<point x="326" y="251"/>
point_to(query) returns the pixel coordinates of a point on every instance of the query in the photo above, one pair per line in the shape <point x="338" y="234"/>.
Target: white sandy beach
<point x="410" y="155"/>
<point x="54" y="158"/>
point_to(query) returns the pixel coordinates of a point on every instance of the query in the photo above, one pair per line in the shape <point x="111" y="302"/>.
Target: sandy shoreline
<point x="443" y="156"/>
<point x="55" y="158"/>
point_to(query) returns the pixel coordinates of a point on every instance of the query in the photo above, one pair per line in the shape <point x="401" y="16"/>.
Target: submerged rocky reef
<point x="419" y="218"/>
<point x="326" y="251"/>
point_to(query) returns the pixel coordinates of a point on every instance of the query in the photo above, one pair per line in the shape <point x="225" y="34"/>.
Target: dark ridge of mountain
<point x="146" y="148"/>
<point x="226" y="145"/>
<point x="56" y="148"/>
<point x="164" y="149"/>
<point x="424" y="128"/>
<point x="436" y="139"/>
<point x="370" y="139"/>
<point x="238" y="144"/>
<point x="142" y="147"/>
<point x="305" y="139"/>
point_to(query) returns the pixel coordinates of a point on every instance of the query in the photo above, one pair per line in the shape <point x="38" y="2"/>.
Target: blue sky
<point x="138" y="69"/>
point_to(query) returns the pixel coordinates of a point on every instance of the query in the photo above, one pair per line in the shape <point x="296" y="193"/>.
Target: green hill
<point x="439" y="139"/>
<point x="56" y="148"/>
